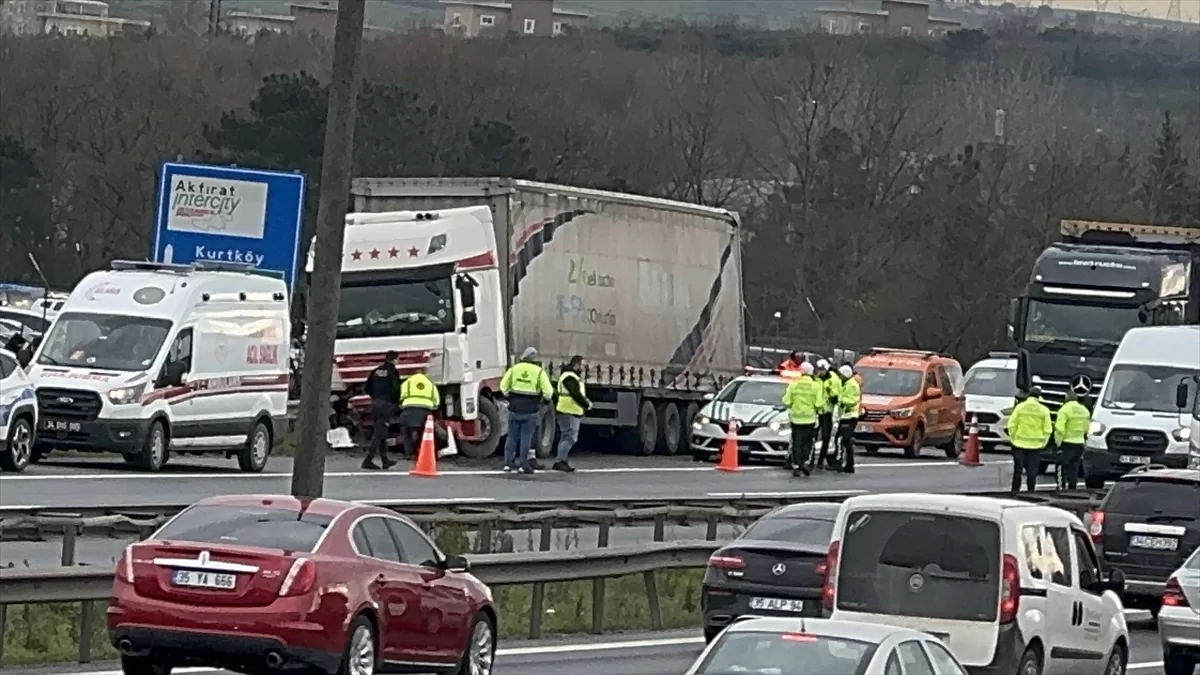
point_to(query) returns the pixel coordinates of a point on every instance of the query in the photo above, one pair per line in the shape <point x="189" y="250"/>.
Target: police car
<point x="755" y="402"/>
<point x="18" y="414"/>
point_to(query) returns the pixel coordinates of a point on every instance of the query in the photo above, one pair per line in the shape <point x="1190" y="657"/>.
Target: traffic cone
<point x="970" y="454"/>
<point x="729" y="452"/>
<point x="427" y="454"/>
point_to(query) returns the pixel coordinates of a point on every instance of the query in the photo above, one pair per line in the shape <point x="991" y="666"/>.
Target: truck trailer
<point x="460" y="275"/>
<point x="1088" y="289"/>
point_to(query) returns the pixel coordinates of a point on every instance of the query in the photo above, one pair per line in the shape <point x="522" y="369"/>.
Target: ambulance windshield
<point x="104" y="341"/>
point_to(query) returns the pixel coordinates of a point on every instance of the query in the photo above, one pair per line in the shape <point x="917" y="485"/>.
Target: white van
<point x="1138" y="420"/>
<point x="1009" y="586"/>
<point x="149" y="359"/>
<point x="991" y="390"/>
<point x="18" y="414"/>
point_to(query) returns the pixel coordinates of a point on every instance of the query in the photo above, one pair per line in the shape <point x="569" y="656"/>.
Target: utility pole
<point x="214" y="17"/>
<point x="308" y="472"/>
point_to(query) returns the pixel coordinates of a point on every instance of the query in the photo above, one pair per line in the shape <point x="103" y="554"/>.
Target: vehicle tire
<point x="670" y="428"/>
<point x="685" y="426"/>
<point x="19" y="446"/>
<point x="489" y="420"/>
<point x="252" y="458"/>
<point x="918" y="442"/>
<point x="362" y="649"/>
<point x="38" y="453"/>
<point x="1093" y="483"/>
<point x="143" y="665"/>
<point x="479" y="658"/>
<point x="1117" y="660"/>
<point x="1030" y="663"/>
<point x="647" y="431"/>
<point x="153" y="454"/>
<point x="953" y="447"/>
<point x="547" y="425"/>
<point x="1176" y="662"/>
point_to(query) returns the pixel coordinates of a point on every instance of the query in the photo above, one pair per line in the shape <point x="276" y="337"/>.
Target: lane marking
<point x="772" y="495"/>
<point x="448" y="473"/>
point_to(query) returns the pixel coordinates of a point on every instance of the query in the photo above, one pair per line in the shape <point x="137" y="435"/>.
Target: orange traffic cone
<point x="970" y="454"/>
<point x="427" y="454"/>
<point x="729" y="452"/>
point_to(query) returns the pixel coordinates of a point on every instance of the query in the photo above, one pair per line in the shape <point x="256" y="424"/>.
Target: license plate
<point x="59" y="425"/>
<point x="863" y="429"/>
<point x="1155" y="543"/>
<point x="222" y="582"/>
<point x="1134" y="459"/>
<point x="777" y="605"/>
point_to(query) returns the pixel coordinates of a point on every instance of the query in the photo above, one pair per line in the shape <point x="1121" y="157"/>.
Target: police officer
<point x="850" y="403"/>
<point x="382" y="386"/>
<point x="802" y="399"/>
<point x="1070" y="432"/>
<point x="418" y="399"/>
<point x="526" y="385"/>
<point x="1029" y="432"/>
<point x="831" y="384"/>
<point x="573" y="403"/>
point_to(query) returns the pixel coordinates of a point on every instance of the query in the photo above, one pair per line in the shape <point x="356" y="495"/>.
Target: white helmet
<point x="846" y="371"/>
<point x="823" y="364"/>
<point x="806" y="368"/>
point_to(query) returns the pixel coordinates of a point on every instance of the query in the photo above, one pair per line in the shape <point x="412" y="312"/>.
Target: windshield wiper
<point x="49" y="361"/>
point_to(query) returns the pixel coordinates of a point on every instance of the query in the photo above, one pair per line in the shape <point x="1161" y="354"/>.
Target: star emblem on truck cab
<point x="357" y="255"/>
<point x="374" y="254"/>
<point x="393" y="252"/>
<point x="412" y="252"/>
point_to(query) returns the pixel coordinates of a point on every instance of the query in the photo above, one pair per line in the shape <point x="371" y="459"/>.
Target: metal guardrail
<point x="92" y="585"/>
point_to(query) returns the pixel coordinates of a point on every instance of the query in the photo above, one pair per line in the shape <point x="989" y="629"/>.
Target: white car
<point x="1007" y="585"/>
<point x="991" y="390"/>
<point x="1179" y="618"/>
<point x="756" y="402"/>
<point x="796" y="646"/>
<point x="18" y="414"/>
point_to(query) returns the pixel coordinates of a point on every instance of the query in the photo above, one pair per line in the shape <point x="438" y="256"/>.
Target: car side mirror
<point x="709" y="397"/>
<point x="456" y="563"/>
<point x="932" y="393"/>
<point x="1181" y="396"/>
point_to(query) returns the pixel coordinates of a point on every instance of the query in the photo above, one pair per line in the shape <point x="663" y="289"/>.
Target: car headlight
<point x="1007" y="412"/>
<point x="1096" y="429"/>
<point x="779" y="426"/>
<point x="700" y="421"/>
<point x="126" y="395"/>
<point x="1182" y="434"/>
<point x="901" y="413"/>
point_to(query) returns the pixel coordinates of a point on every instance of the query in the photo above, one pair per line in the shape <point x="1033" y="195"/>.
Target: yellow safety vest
<point x="1029" y="426"/>
<point x="803" y="399"/>
<point x="1072" y="423"/>
<point x="527" y="379"/>
<point x="850" y="399"/>
<point x="567" y="404"/>
<point x="830" y="387"/>
<point x="418" y="391"/>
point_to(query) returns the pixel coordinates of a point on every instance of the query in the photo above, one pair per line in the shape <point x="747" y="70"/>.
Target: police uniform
<point x="802" y="399"/>
<point x="850" y="403"/>
<point x="382" y="385"/>
<point x="527" y="386"/>
<point x="418" y="399"/>
<point x="1070" y="432"/>
<point x="1029" y="431"/>
<point x="830" y="387"/>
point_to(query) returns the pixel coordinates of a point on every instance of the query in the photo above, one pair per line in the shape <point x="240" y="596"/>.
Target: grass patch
<point x="49" y="633"/>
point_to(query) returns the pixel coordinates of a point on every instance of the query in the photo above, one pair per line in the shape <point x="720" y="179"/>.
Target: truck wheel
<point x="647" y="429"/>
<point x="544" y="443"/>
<point x="489" y="421"/>
<point x="252" y="458"/>
<point x="670" y="430"/>
<point x="685" y="426"/>
<point x="153" y="454"/>
<point x="19" y="447"/>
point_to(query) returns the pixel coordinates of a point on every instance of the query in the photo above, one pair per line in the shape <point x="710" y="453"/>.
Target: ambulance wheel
<point x="19" y="445"/>
<point x="492" y="431"/>
<point x="544" y="443"/>
<point x="647" y="429"/>
<point x="153" y="455"/>
<point x="670" y="429"/>
<point x="252" y="458"/>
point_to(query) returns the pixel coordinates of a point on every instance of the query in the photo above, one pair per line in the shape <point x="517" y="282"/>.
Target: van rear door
<point x="934" y="572"/>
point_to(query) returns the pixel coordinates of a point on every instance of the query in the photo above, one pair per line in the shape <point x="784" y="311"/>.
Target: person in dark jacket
<point x="573" y="404"/>
<point x="383" y="386"/>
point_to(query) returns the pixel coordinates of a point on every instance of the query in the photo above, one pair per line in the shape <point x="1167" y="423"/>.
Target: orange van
<point x="911" y="400"/>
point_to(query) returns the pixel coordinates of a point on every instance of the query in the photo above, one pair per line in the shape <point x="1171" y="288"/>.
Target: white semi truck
<point x="459" y="275"/>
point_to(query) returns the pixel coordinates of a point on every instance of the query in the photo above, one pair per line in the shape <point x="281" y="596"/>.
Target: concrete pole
<point x="308" y="472"/>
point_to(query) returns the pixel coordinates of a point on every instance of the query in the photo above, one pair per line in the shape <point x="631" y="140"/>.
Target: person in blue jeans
<point x="527" y="386"/>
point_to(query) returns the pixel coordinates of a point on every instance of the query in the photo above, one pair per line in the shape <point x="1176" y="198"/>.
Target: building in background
<point x="469" y="18"/>
<point x="894" y="17"/>
<point x="85" y="18"/>
<point x="302" y="17"/>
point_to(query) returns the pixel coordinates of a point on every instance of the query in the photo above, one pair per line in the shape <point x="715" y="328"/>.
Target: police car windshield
<point x="991" y="382"/>
<point x="380" y="308"/>
<point x="1148" y="388"/>
<point x="104" y="341"/>
<point x="754" y="392"/>
<point x="27" y="322"/>
<point x="891" y="381"/>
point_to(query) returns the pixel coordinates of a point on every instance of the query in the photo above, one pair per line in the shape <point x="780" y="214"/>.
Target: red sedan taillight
<point x="300" y="578"/>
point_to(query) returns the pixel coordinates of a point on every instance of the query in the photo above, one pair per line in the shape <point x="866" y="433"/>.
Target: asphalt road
<point x="654" y="654"/>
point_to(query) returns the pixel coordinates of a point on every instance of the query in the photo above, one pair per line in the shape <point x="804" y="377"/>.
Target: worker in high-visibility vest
<point x="802" y="398"/>
<point x="527" y="386"/>
<point x="572" y="405"/>
<point x="1029" y="432"/>
<point x="1070" y="432"/>
<point x="419" y="397"/>
<point x="850" y="405"/>
<point x="831" y="384"/>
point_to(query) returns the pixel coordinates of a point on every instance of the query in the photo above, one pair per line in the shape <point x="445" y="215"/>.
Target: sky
<point x="1189" y="10"/>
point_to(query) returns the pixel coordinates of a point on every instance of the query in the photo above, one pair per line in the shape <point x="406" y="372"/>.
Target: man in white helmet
<point x="831" y="385"/>
<point x="850" y="406"/>
<point x="802" y="399"/>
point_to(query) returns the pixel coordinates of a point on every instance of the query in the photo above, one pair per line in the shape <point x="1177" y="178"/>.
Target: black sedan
<point x="776" y="568"/>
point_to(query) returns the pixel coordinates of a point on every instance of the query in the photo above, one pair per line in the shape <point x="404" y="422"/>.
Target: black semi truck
<point x="1098" y="281"/>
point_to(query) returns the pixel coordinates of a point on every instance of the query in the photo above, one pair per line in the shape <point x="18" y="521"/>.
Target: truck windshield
<point x="104" y="341"/>
<point x="891" y="381"/>
<point x="381" y="308"/>
<point x="1050" y="322"/>
<point x="1148" y="388"/>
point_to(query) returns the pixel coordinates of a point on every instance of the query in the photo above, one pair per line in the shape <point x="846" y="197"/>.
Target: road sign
<point x="230" y="215"/>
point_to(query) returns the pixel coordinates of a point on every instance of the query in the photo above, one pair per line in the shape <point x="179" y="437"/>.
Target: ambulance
<point x="149" y="360"/>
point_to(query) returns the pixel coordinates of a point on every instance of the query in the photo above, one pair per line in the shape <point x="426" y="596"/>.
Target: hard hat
<point x="846" y="371"/>
<point x="823" y="364"/>
<point x="806" y="368"/>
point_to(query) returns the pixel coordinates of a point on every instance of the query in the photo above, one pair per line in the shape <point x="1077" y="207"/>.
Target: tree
<point x="25" y="211"/>
<point x="1167" y="193"/>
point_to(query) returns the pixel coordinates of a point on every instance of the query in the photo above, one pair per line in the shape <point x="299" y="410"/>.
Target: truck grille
<point x="70" y="404"/>
<point x="1054" y="390"/>
<point x="1137" y="441"/>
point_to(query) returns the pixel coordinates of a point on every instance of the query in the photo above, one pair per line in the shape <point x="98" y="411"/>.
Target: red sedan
<point x="271" y="583"/>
